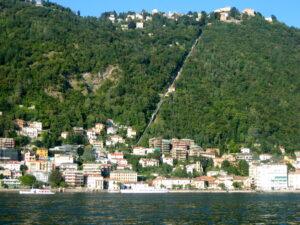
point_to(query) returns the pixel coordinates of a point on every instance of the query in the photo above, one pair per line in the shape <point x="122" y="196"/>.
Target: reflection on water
<point x="150" y="209"/>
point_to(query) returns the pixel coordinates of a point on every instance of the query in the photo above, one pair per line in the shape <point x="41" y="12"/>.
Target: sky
<point x="286" y="11"/>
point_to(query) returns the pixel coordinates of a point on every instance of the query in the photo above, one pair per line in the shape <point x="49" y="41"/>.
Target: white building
<point x="245" y="150"/>
<point x="168" y="160"/>
<point x="139" y="25"/>
<point x="29" y="132"/>
<point x="294" y="180"/>
<point x="249" y="12"/>
<point x="68" y="166"/>
<point x="196" y="167"/>
<point x="269" y="19"/>
<point x="11" y="165"/>
<point x="64" y="135"/>
<point x="148" y="162"/>
<point x="131" y="133"/>
<point x="41" y="176"/>
<point x="60" y="159"/>
<point x="111" y="130"/>
<point x="95" y="182"/>
<point x="114" y="140"/>
<point x="172" y="183"/>
<point x="36" y="125"/>
<point x="264" y="157"/>
<point x="142" y="151"/>
<point x="91" y="135"/>
<point x="244" y="156"/>
<point x="268" y="177"/>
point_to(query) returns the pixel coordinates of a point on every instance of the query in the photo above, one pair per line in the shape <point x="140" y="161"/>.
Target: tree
<point x="88" y="155"/>
<point x="23" y="169"/>
<point x="237" y="185"/>
<point x="131" y="25"/>
<point x="234" y="13"/>
<point x="28" y="180"/>
<point x="56" y="178"/>
<point x="243" y="168"/>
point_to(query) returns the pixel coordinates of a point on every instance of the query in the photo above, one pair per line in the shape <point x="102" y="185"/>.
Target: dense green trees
<point x="78" y="71"/>
<point x="56" y="179"/>
<point x="241" y="87"/>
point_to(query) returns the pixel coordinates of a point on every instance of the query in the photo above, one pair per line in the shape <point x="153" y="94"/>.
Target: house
<point x="269" y="19"/>
<point x="114" y="157"/>
<point x="196" y="167"/>
<point x="142" y="151"/>
<point x="168" y="160"/>
<point x="139" y="25"/>
<point x="244" y="156"/>
<point x="224" y="13"/>
<point x="198" y="183"/>
<point x="95" y="182"/>
<point x="131" y="133"/>
<point x="91" y="135"/>
<point x="64" y="135"/>
<point x="9" y="154"/>
<point x="264" y="157"/>
<point x="60" y="159"/>
<point x="195" y="151"/>
<point x="244" y="181"/>
<point x="11" y="165"/>
<point x="268" y="177"/>
<point x="245" y="150"/>
<point x="38" y="166"/>
<point x="41" y="176"/>
<point x="124" y="176"/>
<point x="68" y="166"/>
<point x="36" y="125"/>
<point x="172" y="183"/>
<point x="11" y="183"/>
<point x="29" y="132"/>
<point x="214" y="173"/>
<point x="148" y="162"/>
<point x="179" y="153"/>
<point x="112" y="18"/>
<point x="74" y="178"/>
<point x="210" y="155"/>
<point x="20" y="123"/>
<point x="124" y="26"/>
<point x="78" y="130"/>
<point x="226" y="180"/>
<point x="91" y="168"/>
<point x="99" y="127"/>
<point x="249" y="12"/>
<point x="209" y="182"/>
<point x="7" y="143"/>
<point x="294" y="180"/>
<point x="111" y="130"/>
<point x="42" y="153"/>
<point x="114" y="140"/>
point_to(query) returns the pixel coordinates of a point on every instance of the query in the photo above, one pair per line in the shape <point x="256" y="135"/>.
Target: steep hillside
<point x="241" y="87"/>
<point x="77" y="71"/>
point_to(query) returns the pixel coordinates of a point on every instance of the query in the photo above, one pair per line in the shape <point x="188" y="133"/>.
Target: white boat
<point x="37" y="192"/>
<point x="144" y="190"/>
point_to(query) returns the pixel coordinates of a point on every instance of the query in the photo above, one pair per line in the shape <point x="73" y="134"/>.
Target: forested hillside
<point x="80" y="70"/>
<point x="241" y="87"/>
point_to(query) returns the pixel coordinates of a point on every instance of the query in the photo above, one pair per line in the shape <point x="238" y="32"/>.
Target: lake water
<point x="204" y="208"/>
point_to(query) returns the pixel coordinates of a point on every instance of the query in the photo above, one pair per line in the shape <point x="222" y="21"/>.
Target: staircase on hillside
<point x="170" y="90"/>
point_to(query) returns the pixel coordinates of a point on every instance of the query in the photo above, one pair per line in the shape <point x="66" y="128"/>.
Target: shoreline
<point x="83" y="190"/>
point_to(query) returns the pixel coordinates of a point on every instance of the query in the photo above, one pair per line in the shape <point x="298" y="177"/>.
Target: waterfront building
<point x="123" y="176"/>
<point x="198" y="183"/>
<point x="294" y="180"/>
<point x="41" y="176"/>
<point x="74" y="178"/>
<point x="11" y="165"/>
<point x="95" y="182"/>
<point x="172" y="183"/>
<point x="91" y="168"/>
<point x="268" y="177"/>
<point x="11" y="183"/>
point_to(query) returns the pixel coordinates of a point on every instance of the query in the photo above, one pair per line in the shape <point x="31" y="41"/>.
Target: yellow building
<point x="124" y="176"/>
<point x="42" y="153"/>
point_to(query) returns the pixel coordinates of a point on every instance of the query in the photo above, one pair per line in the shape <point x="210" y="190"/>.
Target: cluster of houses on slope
<point x="112" y="169"/>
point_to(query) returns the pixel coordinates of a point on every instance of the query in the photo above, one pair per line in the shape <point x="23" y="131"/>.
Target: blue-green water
<point x="81" y="208"/>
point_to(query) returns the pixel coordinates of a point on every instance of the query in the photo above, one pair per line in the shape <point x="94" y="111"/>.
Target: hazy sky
<point x="286" y="11"/>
